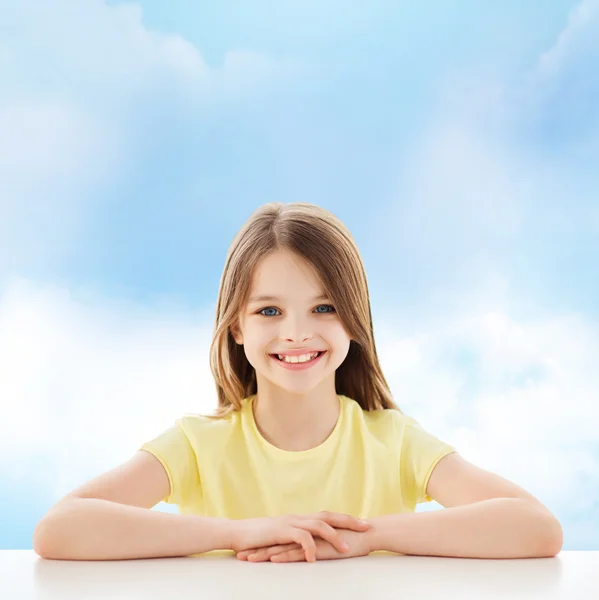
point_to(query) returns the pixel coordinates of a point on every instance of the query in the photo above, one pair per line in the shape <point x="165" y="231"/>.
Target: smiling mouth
<point x="318" y="355"/>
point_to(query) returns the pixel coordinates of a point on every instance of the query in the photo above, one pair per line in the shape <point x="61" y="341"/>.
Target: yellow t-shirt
<point x="373" y="463"/>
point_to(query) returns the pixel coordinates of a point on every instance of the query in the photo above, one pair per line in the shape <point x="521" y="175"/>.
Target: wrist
<point x="226" y="529"/>
<point x="218" y="530"/>
<point x="375" y="534"/>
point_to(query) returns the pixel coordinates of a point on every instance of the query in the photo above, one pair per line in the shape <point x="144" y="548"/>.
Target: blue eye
<point x="326" y="306"/>
<point x="261" y="312"/>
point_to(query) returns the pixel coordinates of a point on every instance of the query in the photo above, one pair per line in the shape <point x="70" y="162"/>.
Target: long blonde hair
<point x="319" y="237"/>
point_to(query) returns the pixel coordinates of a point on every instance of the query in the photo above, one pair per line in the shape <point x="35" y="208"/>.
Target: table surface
<point x="570" y="575"/>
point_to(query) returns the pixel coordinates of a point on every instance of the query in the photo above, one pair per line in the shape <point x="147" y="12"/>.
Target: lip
<point x="299" y="352"/>
<point x="299" y="366"/>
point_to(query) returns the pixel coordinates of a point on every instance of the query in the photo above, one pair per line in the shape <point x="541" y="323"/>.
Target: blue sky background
<point x="459" y="145"/>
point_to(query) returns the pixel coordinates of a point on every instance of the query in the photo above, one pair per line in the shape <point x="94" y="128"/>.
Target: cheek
<point x="339" y="337"/>
<point x="255" y="343"/>
<point x="341" y="343"/>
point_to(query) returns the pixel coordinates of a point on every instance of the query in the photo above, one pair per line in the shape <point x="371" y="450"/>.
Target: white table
<point x="568" y="576"/>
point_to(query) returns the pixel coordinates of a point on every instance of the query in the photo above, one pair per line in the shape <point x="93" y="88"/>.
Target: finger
<point x="259" y="556"/>
<point x="306" y="541"/>
<point x="326" y="532"/>
<point x="289" y="556"/>
<point x="342" y="520"/>
<point x="244" y="554"/>
<point x="281" y="548"/>
<point x="266" y="553"/>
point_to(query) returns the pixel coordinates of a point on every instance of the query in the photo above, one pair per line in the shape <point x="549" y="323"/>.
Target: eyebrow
<point x="276" y="298"/>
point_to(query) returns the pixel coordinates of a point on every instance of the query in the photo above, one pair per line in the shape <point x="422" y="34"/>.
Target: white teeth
<point x="297" y="359"/>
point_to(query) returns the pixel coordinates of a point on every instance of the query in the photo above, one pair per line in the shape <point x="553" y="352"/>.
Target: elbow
<point x="39" y="541"/>
<point x="42" y="541"/>
<point x="553" y="540"/>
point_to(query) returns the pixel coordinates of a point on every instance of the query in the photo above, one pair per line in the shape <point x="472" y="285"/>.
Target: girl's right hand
<point x="247" y="534"/>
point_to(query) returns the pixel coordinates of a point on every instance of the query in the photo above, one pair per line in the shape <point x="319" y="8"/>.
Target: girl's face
<point x="298" y="316"/>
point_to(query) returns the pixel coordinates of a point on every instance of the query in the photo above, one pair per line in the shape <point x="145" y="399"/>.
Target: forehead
<point x="282" y="270"/>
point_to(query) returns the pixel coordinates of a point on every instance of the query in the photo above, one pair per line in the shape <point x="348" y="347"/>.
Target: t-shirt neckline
<point x="295" y="454"/>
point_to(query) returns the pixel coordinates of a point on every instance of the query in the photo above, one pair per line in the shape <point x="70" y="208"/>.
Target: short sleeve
<point x="176" y="454"/>
<point x="420" y="453"/>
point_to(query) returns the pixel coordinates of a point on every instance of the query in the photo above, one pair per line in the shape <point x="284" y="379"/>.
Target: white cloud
<point x="565" y="86"/>
<point x="579" y="37"/>
<point x="522" y="402"/>
<point x="78" y="46"/>
<point x="83" y="384"/>
<point x="501" y="177"/>
<point x="459" y="183"/>
<point x="79" y="83"/>
<point x="72" y="72"/>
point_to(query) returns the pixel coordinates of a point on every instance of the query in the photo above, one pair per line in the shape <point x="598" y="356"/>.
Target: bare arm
<point x="109" y="517"/>
<point x="494" y="528"/>
<point x="94" y="529"/>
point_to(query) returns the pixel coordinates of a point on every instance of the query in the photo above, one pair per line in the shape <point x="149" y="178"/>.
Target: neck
<point x="296" y="422"/>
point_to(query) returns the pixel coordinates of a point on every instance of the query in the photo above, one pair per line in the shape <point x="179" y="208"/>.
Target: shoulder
<point x="389" y="418"/>
<point x="198" y="433"/>
<point x="386" y="422"/>
<point x="392" y="424"/>
<point x="195" y="424"/>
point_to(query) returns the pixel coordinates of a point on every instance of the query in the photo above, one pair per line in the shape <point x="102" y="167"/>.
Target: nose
<point x="295" y="329"/>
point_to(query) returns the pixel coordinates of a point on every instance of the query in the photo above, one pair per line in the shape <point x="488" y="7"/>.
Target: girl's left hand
<point x="358" y="542"/>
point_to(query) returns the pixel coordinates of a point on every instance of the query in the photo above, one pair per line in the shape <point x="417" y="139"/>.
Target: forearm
<point x="93" y="529"/>
<point x="496" y="528"/>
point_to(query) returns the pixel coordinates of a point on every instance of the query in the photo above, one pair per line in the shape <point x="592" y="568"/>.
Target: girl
<point x="307" y="456"/>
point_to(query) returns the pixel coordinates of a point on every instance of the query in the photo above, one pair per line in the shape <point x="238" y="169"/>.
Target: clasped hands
<point x="291" y="538"/>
